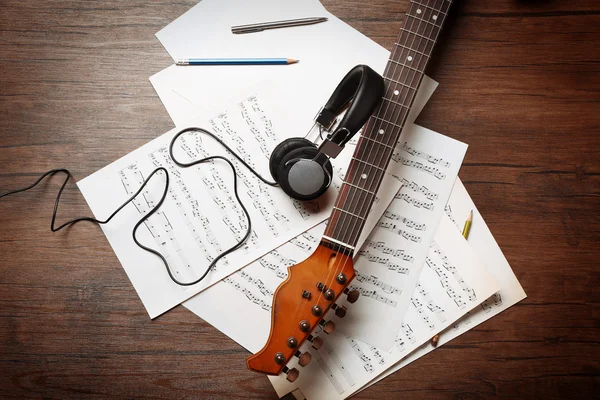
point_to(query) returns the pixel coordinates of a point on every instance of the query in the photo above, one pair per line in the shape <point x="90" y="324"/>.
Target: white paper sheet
<point x="452" y="282"/>
<point x="326" y="51"/>
<point x="483" y="243"/>
<point x="271" y="270"/>
<point x="200" y="216"/>
<point x="391" y="262"/>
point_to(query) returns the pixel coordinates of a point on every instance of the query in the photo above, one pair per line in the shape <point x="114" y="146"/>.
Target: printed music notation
<point x="406" y="221"/>
<point x="421" y="154"/>
<point x="431" y="304"/>
<point x="419" y="166"/>
<point x="445" y="283"/>
<point x="373" y="294"/>
<point x="373" y="280"/>
<point x="382" y="247"/>
<point x="415" y="202"/>
<point x="418" y="189"/>
<point x="251" y="296"/>
<point x="366" y="361"/>
<point x="408" y="332"/>
<point x="470" y="292"/>
<point x="256" y="282"/>
<point x="400" y="232"/>
<point x="158" y="225"/>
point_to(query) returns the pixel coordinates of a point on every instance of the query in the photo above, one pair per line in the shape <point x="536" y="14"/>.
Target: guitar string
<point x="361" y="170"/>
<point x="358" y="173"/>
<point x="416" y="73"/>
<point x="352" y="234"/>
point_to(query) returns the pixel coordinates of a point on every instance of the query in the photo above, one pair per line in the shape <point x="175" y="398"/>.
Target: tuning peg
<point x="292" y="374"/>
<point x="328" y="327"/>
<point x="352" y="295"/>
<point x="303" y="358"/>
<point x="339" y="311"/>
<point x="317" y="342"/>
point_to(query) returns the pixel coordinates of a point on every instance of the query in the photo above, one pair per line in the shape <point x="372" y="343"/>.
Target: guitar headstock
<point x="299" y="305"/>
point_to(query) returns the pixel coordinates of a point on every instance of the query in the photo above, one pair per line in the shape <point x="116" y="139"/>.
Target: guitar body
<point x="294" y="305"/>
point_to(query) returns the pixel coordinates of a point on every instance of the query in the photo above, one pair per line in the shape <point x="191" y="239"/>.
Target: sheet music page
<point x="391" y="259"/>
<point x="200" y="217"/>
<point x="234" y="297"/>
<point x="452" y="282"/>
<point x="327" y="51"/>
<point x="483" y="243"/>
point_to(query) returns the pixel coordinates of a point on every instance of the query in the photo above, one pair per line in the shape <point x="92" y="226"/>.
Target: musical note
<point x="363" y="357"/>
<point x="415" y="202"/>
<point x="249" y="295"/>
<point x="373" y="294"/>
<point x="419" y="166"/>
<point x="373" y="280"/>
<point x="417" y="153"/>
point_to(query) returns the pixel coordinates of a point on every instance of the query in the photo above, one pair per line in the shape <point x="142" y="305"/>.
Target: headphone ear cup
<point x="282" y="150"/>
<point x="300" y="177"/>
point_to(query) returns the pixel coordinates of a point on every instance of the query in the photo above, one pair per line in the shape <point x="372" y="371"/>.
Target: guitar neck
<point x="403" y="74"/>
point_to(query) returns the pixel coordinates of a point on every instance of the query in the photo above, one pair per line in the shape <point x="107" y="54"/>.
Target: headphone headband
<point x="363" y="89"/>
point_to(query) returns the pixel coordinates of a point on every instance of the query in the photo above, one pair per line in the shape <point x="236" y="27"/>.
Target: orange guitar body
<point x="299" y="305"/>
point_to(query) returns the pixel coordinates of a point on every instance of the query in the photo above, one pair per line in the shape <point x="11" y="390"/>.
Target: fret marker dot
<point x="364" y="176"/>
<point x="434" y="17"/>
<point x="419" y="11"/>
<point x="409" y="58"/>
<point x="381" y="131"/>
<point x="396" y="93"/>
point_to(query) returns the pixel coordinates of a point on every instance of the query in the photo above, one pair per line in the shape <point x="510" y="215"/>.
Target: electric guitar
<point x="313" y="286"/>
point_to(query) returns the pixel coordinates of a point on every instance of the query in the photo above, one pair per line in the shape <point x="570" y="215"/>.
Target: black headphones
<point x="304" y="171"/>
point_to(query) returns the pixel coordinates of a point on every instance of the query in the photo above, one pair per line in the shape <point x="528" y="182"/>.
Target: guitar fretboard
<point x="403" y="74"/>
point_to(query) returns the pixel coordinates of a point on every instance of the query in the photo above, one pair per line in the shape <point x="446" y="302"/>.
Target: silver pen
<point x="276" y="24"/>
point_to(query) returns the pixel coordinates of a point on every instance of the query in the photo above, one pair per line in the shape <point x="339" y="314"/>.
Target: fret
<point x="427" y="5"/>
<point x="388" y="122"/>
<point x="398" y="74"/>
<point x="349" y="213"/>
<point x="424" y="20"/>
<point x="407" y="66"/>
<point x="372" y="151"/>
<point x="369" y="164"/>
<point x="353" y="201"/>
<point x="406" y="56"/>
<point x="358" y="177"/>
<point x="395" y="81"/>
<point x="344" y="226"/>
<point x="377" y="145"/>
<point x="416" y="42"/>
<point x="375" y="141"/>
<point x="358" y="187"/>
<point x="396" y="103"/>
<point x="416" y="51"/>
<point x="418" y="34"/>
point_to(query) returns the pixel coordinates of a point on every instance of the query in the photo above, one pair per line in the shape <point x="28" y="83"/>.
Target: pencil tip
<point x="471" y="215"/>
<point x="292" y="61"/>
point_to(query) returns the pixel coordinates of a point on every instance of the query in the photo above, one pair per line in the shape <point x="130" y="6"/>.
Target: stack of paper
<point x="417" y="275"/>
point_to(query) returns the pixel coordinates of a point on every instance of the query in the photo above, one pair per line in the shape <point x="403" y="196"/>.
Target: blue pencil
<point x="236" y="61"/>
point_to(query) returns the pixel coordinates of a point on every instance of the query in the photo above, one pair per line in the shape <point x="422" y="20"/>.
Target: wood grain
<point x="519" y="81"/>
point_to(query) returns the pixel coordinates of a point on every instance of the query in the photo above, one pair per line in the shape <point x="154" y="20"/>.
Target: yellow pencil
<point x="467" y="227"/>
<point x="465" y="233"/>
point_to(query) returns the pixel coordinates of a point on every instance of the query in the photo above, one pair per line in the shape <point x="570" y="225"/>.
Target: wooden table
<point x="519" y="82"/>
